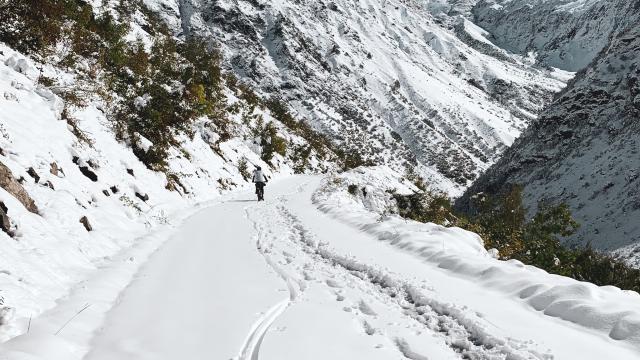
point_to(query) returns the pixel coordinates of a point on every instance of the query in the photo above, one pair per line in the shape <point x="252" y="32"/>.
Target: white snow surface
<point x="52" y="253"/>
<point x="315" y="273"/>
<point x="607" y="309"/>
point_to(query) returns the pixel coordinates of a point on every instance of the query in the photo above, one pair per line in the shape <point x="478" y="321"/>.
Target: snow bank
<point x="606" y="309"/>
<point x="372" y="208"/>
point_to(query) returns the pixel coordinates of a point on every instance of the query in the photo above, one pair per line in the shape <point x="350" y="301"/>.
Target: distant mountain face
<point x="401" y="82"/>
<point x="585" y="148"/>
<point x="567" y="34"/>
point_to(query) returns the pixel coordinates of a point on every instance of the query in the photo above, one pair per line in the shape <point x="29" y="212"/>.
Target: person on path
<point x="260" y="180"/>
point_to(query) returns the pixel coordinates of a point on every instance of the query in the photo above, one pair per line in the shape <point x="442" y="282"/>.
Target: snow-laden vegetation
<point x="373" y="209"/>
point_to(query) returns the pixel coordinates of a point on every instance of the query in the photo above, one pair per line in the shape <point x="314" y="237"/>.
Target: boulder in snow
<point x="86" y="171"/>
<point x="143" y="197"/>
<point x="5" y="223"/>
<point x="56" y="170"/>
<point x="6" y="314"/>
<point x="13" y="187"/>
<point x="32" y="172"/>
<point x="87" y="225"/>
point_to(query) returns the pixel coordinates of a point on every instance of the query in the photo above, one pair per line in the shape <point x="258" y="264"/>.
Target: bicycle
<point x="260" y="190"/>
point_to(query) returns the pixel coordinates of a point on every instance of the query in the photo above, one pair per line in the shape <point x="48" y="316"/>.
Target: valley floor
<point x="282" y="280"/>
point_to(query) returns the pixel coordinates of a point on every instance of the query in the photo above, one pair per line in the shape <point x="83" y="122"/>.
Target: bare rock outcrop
<point x="9" y="183"/>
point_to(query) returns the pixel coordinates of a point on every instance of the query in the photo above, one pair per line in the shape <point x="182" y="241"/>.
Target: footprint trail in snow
<point x="394" y="314"/>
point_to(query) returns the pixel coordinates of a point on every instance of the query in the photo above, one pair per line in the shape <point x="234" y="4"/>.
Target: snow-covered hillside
<point x="398" y="81"/>
<point x="72" y="197"/>
<point x="584" y="148"/>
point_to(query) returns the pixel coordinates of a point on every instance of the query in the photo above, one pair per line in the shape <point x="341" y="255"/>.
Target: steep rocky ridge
<point x="392" y="80"/>
<point x="584" y="149"/>
<point x="567" y="34"/>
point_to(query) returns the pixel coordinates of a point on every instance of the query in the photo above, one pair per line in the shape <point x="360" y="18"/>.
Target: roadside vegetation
<point x="503" y="224"/>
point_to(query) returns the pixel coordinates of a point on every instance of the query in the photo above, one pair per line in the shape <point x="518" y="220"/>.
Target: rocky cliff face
<point x="567" y="34"/>
<point x="584" y="149"/>
<point x="400" y="82"/>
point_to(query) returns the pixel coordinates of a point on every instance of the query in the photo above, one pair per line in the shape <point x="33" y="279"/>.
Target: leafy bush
<point x="351" y="159"/>
<point x="30" y="26"/>
<point x="272" y="143"/>
<point x="319" y="142"/>
<point x="426" y="206"/>
<point x="542" y="238"/>
<point x="178" y="82"/>
<point x="300" y="158"/>
<point x="588" y="265"/>
<point x="503" y="219"/>
<point x="411" y="175"/>
<point x="36" y="26"/>
<point x="243" y="168"/>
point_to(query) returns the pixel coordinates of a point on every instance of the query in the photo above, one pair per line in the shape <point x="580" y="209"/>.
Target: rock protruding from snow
<point x="13" y="187"/>
<point x="5" y="222"/>
<point x="85" y="222"/>
<point x="56" y="170"/>
<point x="21" y="65"/>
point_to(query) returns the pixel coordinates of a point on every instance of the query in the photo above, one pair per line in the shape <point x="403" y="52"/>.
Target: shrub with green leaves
<point x="319" y="142"/>
<point x="425" y="206"/>
<point x="503" y="219"/>
<point x="30" y="26"/>
<point x="35" y="27"/>
<point x="351" y="159"/>
<point x="172" y="86"/>
<point x="243" y="168"/>
<point x="271" y="143"/>
<point x="300" y="158"/>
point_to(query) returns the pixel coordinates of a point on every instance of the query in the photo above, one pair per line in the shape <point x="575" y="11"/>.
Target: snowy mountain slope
<point x="567" y="34"/>
<point x="88" y="197"/>
<point x="583" y="149"/>
<point x="98" y="261"/>
<point x="384" y="78"/>
<point x="310" y="286"/>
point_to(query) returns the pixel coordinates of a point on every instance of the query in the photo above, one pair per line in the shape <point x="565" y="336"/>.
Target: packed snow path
<point x="281" y="280"/>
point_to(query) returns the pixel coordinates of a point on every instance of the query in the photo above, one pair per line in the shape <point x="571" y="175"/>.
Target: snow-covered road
<point x="283" y="280"/>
